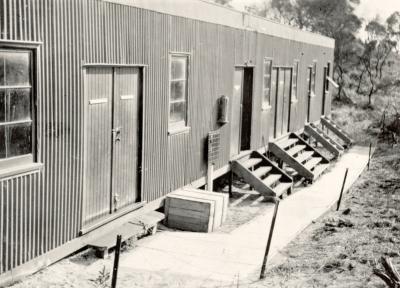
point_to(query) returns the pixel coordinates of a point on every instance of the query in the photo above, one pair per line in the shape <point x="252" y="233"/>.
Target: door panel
<point x="286" y="101"/>
<point x="279" y="102"/>
<point x="98" y="90"/>
<point x="125" y="137"/>
<point x="236" y="111"/>
<point x="324" y="91"/>
<point x="274" y="94"/>
<point x="309" y="86"/>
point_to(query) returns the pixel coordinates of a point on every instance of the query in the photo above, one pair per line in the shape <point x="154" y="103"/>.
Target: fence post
<point x="369" y="154"/>
<point x="341" y="191"/>
<point x="271" y="232"/>
<point x="116" y="262"/>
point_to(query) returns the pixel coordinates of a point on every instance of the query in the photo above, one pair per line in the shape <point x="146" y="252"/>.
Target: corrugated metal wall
<point x="42" y="211"/>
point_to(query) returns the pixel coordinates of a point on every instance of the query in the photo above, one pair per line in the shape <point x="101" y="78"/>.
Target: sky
<point x="367" y="9"/>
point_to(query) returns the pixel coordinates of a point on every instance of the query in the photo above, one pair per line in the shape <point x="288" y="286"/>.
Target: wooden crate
<point x="195" y="210"/>
<point x="188" y="213"/>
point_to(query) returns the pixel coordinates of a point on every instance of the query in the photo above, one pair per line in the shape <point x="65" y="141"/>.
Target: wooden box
<point x="195" y="210"/>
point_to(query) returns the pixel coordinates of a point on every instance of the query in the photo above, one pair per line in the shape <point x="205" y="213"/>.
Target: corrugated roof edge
<point x="215" y="13"/>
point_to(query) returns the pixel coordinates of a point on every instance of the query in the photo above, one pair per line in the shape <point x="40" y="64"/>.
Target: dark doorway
<point x="309" y="88"/>
<point x="325" y="90"/>
<point x="247" y="103"/>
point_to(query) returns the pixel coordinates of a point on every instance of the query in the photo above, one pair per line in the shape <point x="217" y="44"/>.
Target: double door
<point x="112" y="141"/>
<point x="281" y="88"/>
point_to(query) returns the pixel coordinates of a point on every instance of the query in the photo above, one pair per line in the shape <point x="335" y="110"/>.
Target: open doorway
<point x="242" y="102"/>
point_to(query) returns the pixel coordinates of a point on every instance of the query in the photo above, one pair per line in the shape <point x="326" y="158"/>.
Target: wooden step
<point x="312" y="163"/>
<point x="296" y="149"/>
<point x="282" y="188"/>
<point x="249" y="163"/>
<point x="287" y="142"/>
<point x="261" y="171"/>
<point x="335" y="129"/>
<point x="320" y="169"/>
<point x="271" y="179"/>
<point x="323" y="139"/>
<point x="304" y="156"/>
<point x="135" y="227"/>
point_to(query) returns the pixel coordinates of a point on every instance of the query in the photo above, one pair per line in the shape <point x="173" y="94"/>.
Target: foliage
<point x="102" y="279"/>
<point x="223" y="2"/>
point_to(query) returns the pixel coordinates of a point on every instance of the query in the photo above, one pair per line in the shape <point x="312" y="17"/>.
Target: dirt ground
<point x="341" y="248"/>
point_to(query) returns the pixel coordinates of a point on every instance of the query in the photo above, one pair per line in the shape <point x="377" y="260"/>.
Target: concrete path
<point x="224" y="257"/>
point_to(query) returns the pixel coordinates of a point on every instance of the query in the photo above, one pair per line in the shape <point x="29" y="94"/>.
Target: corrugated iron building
<point x="97" y="96"/>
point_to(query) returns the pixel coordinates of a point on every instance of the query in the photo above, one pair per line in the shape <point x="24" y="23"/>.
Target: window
<point x="178" y="91"/>
<point x="313" y="75"/>
<point x="267" y="83"/>
<point x="15" y="104"/>
<point x="294" y="78"/>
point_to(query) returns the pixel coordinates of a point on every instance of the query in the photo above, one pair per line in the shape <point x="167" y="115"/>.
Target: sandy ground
<point x="341" y="248"/>
<point x="338" y="250"/>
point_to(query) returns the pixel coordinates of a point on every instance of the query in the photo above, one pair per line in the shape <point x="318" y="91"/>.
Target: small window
<point x="16" y="111"/>
<point x="178" y="91"/>
<point x="313" y="75"/>
<point x="267" y="83"/>
<point x="294" y="78"/>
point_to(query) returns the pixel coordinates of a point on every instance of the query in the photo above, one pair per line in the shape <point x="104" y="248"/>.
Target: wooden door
<point x="279" y="102"/>
<point x="126" y="137"/>
<point x="309" y="87"/>
<point x="324" y="91"/>
<point x="236" y="111"/>
<point x="274" y="95"/>
<point x="112" y="141"/>
<point x="98" y="144"/>
<point x="286" y="100"/>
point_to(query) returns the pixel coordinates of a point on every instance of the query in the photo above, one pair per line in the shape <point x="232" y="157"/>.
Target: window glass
<point x="294" y="77"/>
<point x="19" y="105"/>
<point x="2" y="106"/>
<point x="266" y="83"/>
<point x="19" y="139"/>
<point x="2" y="68"/>
<point x="177" y="112"/>
<point x="178" y="90"/>
<point x="178" y="68"/>
<point x="2" y="142"/>
<point x="15" y="104"/>
<point x="314" y="72"/>
<point x="17" y="68"/>
<point x="274" y="80"/>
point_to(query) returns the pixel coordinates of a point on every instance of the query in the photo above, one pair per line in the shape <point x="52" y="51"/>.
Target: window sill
<point x="20" y="169"/>
<point x="178" y="130"/>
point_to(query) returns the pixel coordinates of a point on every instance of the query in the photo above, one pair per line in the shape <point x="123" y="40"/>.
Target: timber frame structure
<point x="120" y="98"/>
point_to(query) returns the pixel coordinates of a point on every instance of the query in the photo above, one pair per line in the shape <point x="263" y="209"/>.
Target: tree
<point x="393" y="26"/>
<point x="335" y="19"/>
<point x="376" y="50"/>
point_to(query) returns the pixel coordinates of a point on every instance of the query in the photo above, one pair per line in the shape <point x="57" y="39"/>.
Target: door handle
<point x="116" y="134"/>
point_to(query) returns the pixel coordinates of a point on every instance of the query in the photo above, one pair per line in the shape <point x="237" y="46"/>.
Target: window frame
<point x="328" y="74"/>
<point x="295" y="83"/>
<point x="313" y="78"/>
<point x="179" y="126"/>
<point x="26" y="162"/>
<point x="266" y="105"/>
